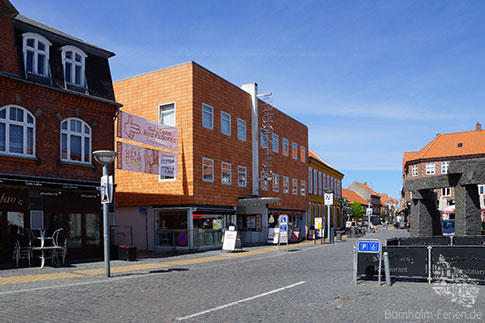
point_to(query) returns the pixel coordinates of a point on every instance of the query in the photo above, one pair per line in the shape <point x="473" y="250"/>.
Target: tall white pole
<point x="106" y="232"/>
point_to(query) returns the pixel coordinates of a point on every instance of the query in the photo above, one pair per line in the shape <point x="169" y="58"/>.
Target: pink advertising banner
<point x="146" y="160"/>
<point x="147" y="132"/>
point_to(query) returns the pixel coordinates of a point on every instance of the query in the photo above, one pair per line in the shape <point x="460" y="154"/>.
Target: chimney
<point x="365" y="183"/>
<point x="478" y="127"/>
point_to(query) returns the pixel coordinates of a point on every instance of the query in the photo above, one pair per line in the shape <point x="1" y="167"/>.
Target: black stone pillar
<point x="467" y="212"/>
<point x="425" y="217"/>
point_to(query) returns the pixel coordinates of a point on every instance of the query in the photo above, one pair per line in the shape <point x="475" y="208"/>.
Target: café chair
<point x="22" y="252"/>
<point x="61" y="242"/>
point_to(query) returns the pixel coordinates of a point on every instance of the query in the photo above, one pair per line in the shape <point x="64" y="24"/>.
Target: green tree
<point x="358" y="210"/>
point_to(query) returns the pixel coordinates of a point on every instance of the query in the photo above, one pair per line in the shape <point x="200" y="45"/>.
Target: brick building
<point x="434" y="159"/>
<point x="240" y="161"/>
<point x="56" y="107"/>
<point x="373" y="199"/>
<point x="322" y="176"/>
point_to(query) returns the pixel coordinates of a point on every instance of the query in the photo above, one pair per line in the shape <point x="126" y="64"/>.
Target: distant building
<point x="373" y="199"/>
<point x="57" y="106"/>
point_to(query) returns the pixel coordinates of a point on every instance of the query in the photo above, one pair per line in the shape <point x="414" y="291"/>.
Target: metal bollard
<point x="387" y="269"/>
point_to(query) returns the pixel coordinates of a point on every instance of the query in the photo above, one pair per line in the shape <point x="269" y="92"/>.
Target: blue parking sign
<point x="369" y="246"/>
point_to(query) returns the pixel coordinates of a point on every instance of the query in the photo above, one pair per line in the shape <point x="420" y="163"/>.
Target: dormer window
<point x="36" y="54"/>
<point x="74" y="63"/>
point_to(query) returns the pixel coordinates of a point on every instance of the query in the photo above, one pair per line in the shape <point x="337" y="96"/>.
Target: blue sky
<point x="370" y="79"/>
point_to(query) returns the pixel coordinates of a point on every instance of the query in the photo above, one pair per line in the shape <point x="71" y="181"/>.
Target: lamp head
<point x="105" y="157"/>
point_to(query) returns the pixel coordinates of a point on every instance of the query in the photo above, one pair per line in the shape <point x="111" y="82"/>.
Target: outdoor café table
<point x="47" y="252"/>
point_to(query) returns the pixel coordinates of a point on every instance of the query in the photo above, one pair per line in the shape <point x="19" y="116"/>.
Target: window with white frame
<point x="414" y="170"/>
<point x="429" y="168"/>
<point x="303" y="188"/>
<point x="36" y="54"/>
<point x="167" y="114"/>
<point x="285" y="147"/>
<point x="276" y="143"/>
<point x="225" y="123"/>
<point x="286" y="184"/>
<point x="241" y="176"/>
<point x="320" y="183"/>
<point x="226" y="173"/>
<point x="315" y="181"/>
<point x="294" y="150"/>
<point x="207" y="170"/>
<point x="241" y="129"/>
<point x="310" y="180"/>
<point x="276" y="183"/>
<point x="207" y="116"/>
<point x="294" y="186"/>
<point x="444" y="167"/>
<point x="264" y="180"/>
<point x="17" y="131"/>
<point x="302" y="154"/>
<point x="75" y="141"/>
<point x="481" y="189"/>
<point x="74" y="63"/>
<point x="446" y="191"/>
<point x="264" y="138"/>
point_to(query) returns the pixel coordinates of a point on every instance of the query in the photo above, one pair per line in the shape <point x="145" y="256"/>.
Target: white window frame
<point x="302" y="153"/>
<point x="160" y="112"/>
<point x="444" y="167"/>
<point x="316" y="175"/>
<point x="205" y="111"/>
<point x="446" y="191"/>
<point x="222" y="173"/>
<point x="294" y="186"/>
<point x="294" y="148"/>
<point x="241" y="170"/>
<point x="241" y="124"/>
<point x="74" y="63"/>
<point x="414" y="170"/>
<point x="225" y="117"/>
<point x="35" y="57"/>
<point x="481" y="189"/>
<point x="264" y="138"/>
<point x="286" y="180"/>
<point x="303" y="187"/>
<point x="276" y="143"/>
<point x="430" y="168"/>
<point x="285" y="143"/>
<point x="68" y="132"/>
<point x="25" y="126"/>
<point x="211" y="161"/>
<point x="276" y="182"/>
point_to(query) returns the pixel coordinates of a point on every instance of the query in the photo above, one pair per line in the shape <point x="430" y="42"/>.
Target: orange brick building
<point x="56" y="107"/>
<point x="240" y="161"/>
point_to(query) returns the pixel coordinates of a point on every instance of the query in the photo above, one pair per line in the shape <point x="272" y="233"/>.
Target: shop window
<point x="250" y="222"/>
<point x="75" y="141"/>
<point x="276" y="183"/>
<point x="241" y="176"/>
<point x="207" y="170"/>
<point x="294" y="150"/>
<point x="294" y="186"/>
<point x="207" y="116"/>
<point x="276" y="144"/>
<point x="36" y="54"/>
<point x="93" y="222"/>
<point x="74" y="63"/>
<point x="225" y="123"/>
<point x="241" y="129"/>
<point x="302" y="154"/>
<point x="285" y="147"/>
<point x="226" y="173"/>
<point x="17" y="131"/>
<point x="167" y="114"/>
<point x="74" y="230"/>
<point x="286" y="184"/>
<point x="168" y="225"/>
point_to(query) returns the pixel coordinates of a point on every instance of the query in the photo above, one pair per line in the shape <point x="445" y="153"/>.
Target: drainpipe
<point x="252" y="89"/>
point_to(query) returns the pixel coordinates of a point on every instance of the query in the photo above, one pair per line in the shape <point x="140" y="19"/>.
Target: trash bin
<point x="332" y="235"/>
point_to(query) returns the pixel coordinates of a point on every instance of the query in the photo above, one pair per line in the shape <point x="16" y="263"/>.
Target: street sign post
<point x="283" y="232"/>
<point x="372" y="246"/>
<point x="328" y="203"/>
<point x="368" y="212"/>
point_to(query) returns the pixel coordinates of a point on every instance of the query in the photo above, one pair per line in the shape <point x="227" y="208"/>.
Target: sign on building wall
<point x="147" y="132"/>
<point x="146" y="160"/>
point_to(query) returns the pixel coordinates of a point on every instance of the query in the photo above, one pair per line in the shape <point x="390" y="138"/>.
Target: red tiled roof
<point x="368" y="189"/>
<point x="452" y="145"/>
<point x="320" y="159"/>
<point x="351" y="196"/>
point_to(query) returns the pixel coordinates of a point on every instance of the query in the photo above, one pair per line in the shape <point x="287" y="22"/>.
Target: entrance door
<point x="12" y="226"/>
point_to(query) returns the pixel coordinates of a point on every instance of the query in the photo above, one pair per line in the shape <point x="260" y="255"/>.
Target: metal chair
<point x="57" y="240"/>
<point x="22" y="252"/>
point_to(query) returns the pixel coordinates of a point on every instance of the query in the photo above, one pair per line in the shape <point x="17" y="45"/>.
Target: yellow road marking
<point x="35" y="278"/>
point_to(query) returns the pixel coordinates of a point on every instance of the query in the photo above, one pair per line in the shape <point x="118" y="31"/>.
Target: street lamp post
<point x="105" y="157"/>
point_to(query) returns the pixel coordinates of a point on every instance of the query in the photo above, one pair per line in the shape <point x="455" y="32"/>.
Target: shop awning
<point x="256" y="201"/>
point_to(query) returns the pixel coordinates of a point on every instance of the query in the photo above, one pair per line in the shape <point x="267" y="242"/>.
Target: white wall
<point x="131" y="216"/>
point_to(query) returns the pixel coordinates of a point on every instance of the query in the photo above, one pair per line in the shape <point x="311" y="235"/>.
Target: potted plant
<point x="126" y="252"/>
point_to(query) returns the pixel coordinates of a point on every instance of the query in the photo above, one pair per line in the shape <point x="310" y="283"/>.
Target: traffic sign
<point x="328" y="198"/>
<point x="368" y="211"/>
<point x="369" y="246"/>
<point x="182" y="238"/>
